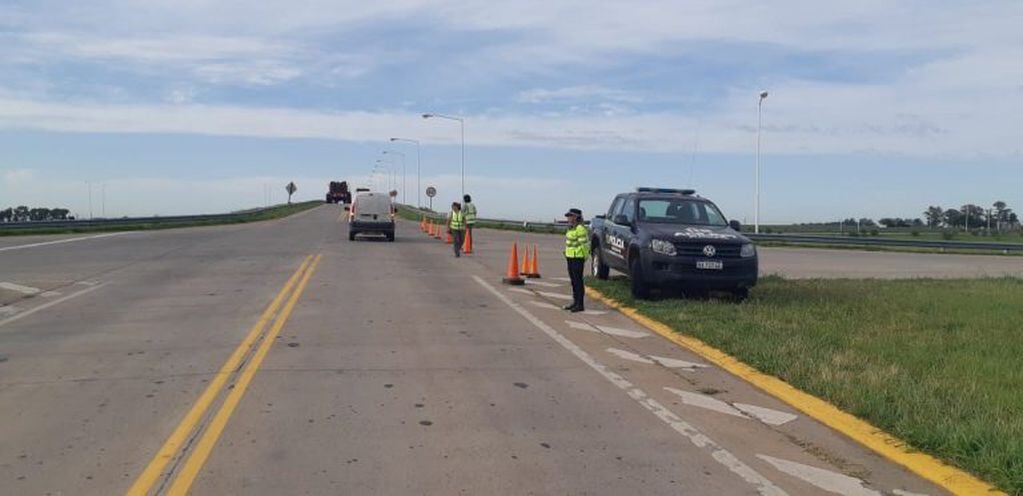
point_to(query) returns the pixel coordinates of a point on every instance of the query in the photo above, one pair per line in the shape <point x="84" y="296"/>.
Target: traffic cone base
<point x="512" y="275"/>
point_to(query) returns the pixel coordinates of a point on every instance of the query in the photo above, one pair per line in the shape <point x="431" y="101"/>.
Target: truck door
<point x="614" y="241"/>
<point x="625" y="232"/>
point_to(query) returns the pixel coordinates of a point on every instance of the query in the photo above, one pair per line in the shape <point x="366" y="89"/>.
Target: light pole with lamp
<point x="461" y="122"/>
<point x="419" y="170"/>
<point x="403" y="174"/>
<point x="756" y="196"/>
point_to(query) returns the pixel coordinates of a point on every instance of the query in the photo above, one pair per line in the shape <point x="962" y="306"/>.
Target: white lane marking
<point x="566" y="279"/>
<point x="766" y="415"/>
<point x="674" y="363"/>
<point x="10" y="286"/>
<point x="60" y="241"/>
<point x="49" y="304"/>
<point x="824" y="479"/>
<point x="697" y="438"/>
<point x="8" y="310"/>
<point x="614" y="331"/>
<point x="628" y="355"/>
<point x="49" y="294"/>
<point x="544" y="304"/>
<point x="530" y="282"/>
<point x="595" y="313"/>
<point x="705" y="402"/>
<point x="900" y="492"/>
<point x="554" y="295"/>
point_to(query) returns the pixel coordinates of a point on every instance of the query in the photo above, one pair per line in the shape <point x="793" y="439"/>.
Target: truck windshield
<point x="678" y="211"/>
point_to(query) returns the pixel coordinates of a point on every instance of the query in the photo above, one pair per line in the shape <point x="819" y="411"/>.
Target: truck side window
<point x="629" y="210"/>
<point x="615" y="207"/>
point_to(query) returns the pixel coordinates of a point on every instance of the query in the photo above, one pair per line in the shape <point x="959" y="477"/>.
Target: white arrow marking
<point x="824" y="479"/>
<point x="544" y="304"/>
<point x="29" y="290"/>
<point x="674" y="363"/>
<point x="900" y="492"/>
<point x="706" y="402"/>
<point x="530" y="282"/>
<point x="554" y="295"/>
<point x="614" y="331"/>
<point x="766" y="415"/>
<point x="628" y="355"/>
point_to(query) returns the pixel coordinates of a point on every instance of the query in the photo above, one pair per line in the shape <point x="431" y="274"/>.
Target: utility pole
<point x="756" y="196"/>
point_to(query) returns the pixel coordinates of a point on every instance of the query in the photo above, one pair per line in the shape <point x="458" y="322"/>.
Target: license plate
<point x="709" y="264"/>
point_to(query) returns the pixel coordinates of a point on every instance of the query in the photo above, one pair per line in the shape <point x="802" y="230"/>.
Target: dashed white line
<point x="61" y="241"/>
<point x="706" y="402"/>
<point x="531" y="282"/>
<point x="628" y="355"/>
<point x="697" y="438"/>
<point x="558" y="296"/>
<point x="49" y="304"/>
<point x="823" y="479"/>
<point x="614" y="331"/>
<point x="766" y="415"/>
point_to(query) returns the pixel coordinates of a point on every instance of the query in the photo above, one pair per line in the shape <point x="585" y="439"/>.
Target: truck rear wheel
<point x="640" y="290"/>
<point x="351" y="235"/>
<point x="600" y="269"/>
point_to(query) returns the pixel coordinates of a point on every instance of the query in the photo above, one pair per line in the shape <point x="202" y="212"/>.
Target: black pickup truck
<point x="672" y="238"/>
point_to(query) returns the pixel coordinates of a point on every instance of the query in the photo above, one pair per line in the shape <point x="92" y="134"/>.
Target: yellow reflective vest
<point x="577" y="242"/>
<point x="470" y="213"/>
<point x="457" y="221"/>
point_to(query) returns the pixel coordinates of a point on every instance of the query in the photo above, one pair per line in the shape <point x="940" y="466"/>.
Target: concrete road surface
<point x="280" y="358"/>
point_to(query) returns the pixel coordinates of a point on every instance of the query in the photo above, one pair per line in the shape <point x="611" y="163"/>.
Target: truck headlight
<point x="748" y="250"/>
<point x="663" y="247"/>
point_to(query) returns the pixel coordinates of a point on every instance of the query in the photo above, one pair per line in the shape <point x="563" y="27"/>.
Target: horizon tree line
<point x="23" y="213"/>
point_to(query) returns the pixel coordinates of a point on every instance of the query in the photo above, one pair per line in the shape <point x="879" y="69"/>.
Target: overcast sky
<point x="876" y="108"/>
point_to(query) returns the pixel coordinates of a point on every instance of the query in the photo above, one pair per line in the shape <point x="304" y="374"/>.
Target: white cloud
<point x="14" y="177"/>
<point x="576" y="93"/>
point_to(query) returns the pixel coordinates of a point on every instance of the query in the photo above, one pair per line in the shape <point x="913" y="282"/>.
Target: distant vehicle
<point x="338" y="192"/>
<point x="371" y="213"/>
<point x="672" y="238"/>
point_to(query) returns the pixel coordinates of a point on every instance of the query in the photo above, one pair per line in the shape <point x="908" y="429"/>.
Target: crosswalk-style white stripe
<point x="766" y="415"/>
<point x="674" y="363"/>
<point x="531" y="282"/>
<point x="614" y="331"/>
<point x="10" y="286"/>
<point x="628" y="355"/>
<point x="558" y="296"/>
<point x="705" y="402"/>
<point x="823" y="479"/>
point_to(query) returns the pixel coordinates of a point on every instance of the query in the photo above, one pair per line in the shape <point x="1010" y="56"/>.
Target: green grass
<point x="937" y="363"/>
<point x="409" y="214"/>
<point x="271" y="213"/>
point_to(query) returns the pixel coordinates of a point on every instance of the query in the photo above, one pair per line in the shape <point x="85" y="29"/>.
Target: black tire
<point x="740" y="294"/>
<point x="390" y="236"/>
<point x="600" y="269"/>
<point x="637" y="284"/>
<point x="351" y="235"/>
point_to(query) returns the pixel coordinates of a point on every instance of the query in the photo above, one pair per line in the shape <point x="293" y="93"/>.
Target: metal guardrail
<point x="808" y="239"/>
<point x="127" y="221"/>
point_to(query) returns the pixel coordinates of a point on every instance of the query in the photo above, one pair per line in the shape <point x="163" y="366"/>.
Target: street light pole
<point x="403" y="172"/>
<point x="756" y="195"/>
<point x="461" y="122"/>
<point x="419" y="171"/>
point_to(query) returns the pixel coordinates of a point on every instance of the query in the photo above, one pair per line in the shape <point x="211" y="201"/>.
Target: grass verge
<point x="933" y="362"/>
<point x="276" y="212"/>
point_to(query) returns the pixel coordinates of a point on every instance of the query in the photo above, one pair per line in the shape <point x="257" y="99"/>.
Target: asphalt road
<point x="280" y="358"/>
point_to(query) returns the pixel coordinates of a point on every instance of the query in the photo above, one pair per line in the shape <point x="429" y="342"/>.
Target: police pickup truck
<point x="672" y="238"/>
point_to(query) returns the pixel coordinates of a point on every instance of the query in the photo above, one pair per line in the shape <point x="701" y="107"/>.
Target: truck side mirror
<point x="622" y="220"/>
<point x="734" y="224"/>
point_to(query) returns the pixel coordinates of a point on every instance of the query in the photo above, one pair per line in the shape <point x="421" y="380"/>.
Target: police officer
<point x="469" y="209"/>
<point x="456" y="226"/>
<point x="577" y="250"/>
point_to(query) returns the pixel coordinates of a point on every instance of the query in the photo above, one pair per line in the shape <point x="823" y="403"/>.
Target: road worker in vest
<point x="577" y="250"/>
<point x="456" y="226"/>
<point x="469" y="209"/>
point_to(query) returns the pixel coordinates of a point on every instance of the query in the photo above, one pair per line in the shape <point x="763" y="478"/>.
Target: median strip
<point x="183" y="432"/>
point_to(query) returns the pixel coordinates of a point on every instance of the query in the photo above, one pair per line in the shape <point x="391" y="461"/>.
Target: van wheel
<point x="390" y="236"/>
<point x="351" y="235"/>
<point x="640" y="290"/>
<point x="600" y="269"/>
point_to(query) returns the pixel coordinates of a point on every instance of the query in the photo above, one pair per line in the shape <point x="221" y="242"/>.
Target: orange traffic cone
<point x="524" y="268"/>
<point x="448" y="239"/>
<point x="512" y="275"/>
<point x="533" y="272"/>
<point x="436" y="231"/>
<point x="467" y="246"/>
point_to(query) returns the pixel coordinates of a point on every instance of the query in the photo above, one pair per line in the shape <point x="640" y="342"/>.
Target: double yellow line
<point x="178" y="445"/>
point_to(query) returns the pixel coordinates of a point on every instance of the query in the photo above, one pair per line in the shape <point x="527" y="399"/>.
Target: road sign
<point x="431" y="191"/>
<point x="291" y="189"/>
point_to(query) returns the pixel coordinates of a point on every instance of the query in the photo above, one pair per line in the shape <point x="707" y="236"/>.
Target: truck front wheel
<point x="600" y="269"/>
<point x="640" y="290"/>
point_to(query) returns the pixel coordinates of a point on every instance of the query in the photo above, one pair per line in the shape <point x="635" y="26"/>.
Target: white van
<point x="371" y="213"/>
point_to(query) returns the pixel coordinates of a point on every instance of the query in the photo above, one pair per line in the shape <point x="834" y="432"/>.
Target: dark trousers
<point x="457" y="238"/>
<point x="575" y="273"/>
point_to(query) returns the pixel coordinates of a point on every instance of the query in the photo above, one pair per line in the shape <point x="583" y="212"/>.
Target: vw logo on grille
<point x="709" y="250"/>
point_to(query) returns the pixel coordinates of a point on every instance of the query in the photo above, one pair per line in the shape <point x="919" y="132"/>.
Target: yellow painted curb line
<point x="953" y="479"/>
